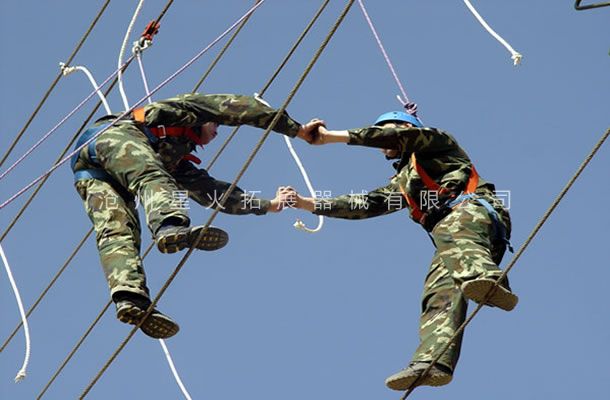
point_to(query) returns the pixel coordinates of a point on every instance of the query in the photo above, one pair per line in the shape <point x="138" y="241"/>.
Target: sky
<point x="280" y="313"/>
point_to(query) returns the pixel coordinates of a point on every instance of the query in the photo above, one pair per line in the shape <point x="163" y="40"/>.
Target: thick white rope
<point x="122" y="53"/>
<point x="26" y="329"/>
<point x="69" y="70"/>
<point x="516" y="56"/>
<point x="167" y="80"/>
<point x="174" y="371"/>
<point x="298" y="223"/>
<point x="137" y="50"/>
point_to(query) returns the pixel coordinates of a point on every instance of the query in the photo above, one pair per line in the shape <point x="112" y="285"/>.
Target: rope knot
<point x="65" y="70"/>
<point x="516" y="58"/>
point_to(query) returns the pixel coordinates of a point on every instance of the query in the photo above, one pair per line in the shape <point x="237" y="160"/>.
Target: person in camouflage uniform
<point x="466" y="221"/>
<point x="148" y="157"/>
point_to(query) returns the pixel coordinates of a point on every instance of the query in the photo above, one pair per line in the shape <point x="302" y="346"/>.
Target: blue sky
<point x="281" y="313"/>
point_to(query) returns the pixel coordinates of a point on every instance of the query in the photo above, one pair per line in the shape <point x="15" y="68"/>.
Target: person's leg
<point x="443" y="310"/>
<point x="117" y="230"/>
<point x="465" y="243"/>
<point x="126" y="154"/>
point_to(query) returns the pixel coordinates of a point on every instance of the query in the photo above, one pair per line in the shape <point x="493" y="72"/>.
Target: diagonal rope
<point x="410" y="106"/>
<point x="60" y="123"/>
<point x="54" y="83"/>
<point x="222" y="52"/>
<point x="79" y="131"/>
<point x="275" y="74"/>
<point x="516" y="257"/>
<point x="298" y="224"/>
<point x="82" y="339"/>
<point x="577" y="5"/>
<point x="127" y="112"/>
<point x="62" y="269"/>
<point x="24" y="207"/>
<point x="74" y="350"/>
<point x="97" y="319"/>
<point x="224" y="198"/>
<point x="265" y="87"/>
<point x="516" y="56"/>
<point x="65" y="150"/>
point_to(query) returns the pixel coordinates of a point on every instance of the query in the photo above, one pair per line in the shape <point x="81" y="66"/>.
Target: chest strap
<point x="162" y="131"/>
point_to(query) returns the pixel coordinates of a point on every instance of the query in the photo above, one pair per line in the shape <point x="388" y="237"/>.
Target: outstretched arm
<point x="384" y="200"/>
<point x="407" y="140"/>
<point x="207" y="191"/>
<point x="225" y="109"/>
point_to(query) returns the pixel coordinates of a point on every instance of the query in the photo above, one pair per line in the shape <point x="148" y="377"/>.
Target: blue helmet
<point x="398" y="116"/>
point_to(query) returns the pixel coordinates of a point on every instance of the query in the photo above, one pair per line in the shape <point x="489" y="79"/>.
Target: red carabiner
<point x="151" y="30"/>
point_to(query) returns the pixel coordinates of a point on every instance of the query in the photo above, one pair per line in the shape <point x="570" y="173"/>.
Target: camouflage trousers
<point x="467" y="248"/>
<point x="136" y="170"/>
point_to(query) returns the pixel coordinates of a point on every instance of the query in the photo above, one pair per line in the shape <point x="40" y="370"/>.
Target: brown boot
<point x="439" y="375"/>
<point x="501" y="297"/>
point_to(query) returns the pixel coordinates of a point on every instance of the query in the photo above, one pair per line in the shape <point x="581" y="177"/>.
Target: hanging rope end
<point x="299" y="225"/>
<point x="20" y="375"/>
<point x="516" y="58"/>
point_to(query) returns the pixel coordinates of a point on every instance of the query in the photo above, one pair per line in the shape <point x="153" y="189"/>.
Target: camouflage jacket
<point x="190" y="110"/>
<point x="208" y="192"/>
<point x="437" y="152"/>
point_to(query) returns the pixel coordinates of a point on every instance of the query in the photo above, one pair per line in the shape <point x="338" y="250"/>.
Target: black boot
<point x="131" y="308"/>
<point x="171" y="239"/>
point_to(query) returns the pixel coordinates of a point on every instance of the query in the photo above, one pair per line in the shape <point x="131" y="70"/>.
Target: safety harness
<point x="92" y="173"/>
<point x="154" y="134"/>
<point x="468" y="194"/>
<point x="162" y="131"/>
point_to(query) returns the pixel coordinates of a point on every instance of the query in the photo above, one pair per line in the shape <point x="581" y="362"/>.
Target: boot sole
<point x="157" y="325"/>
<point x="477" y="290"/>
<point x="212" y="239"/>
<point x="405" y="383"/>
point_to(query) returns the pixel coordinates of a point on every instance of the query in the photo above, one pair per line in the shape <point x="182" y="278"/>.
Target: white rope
<point x="174" y="371"/>
<point x="137" y="50"/>
<point x="68" y="70"/>
<point x="122" y="53"/>
<point x="138" y="54"/>
<point x="298" y="223"/>
<point x="516" y="56"/>
<point x="26" y="329"/>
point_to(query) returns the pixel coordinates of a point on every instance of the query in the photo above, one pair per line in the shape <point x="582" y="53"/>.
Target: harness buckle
<point x="163" y="134"/>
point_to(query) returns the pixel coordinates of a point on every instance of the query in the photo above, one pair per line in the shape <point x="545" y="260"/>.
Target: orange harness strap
<point x="139" y="115"/>
<point x="431" y="184"/>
